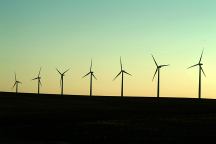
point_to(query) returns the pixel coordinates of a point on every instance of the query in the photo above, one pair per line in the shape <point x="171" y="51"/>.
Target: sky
<point x="68" y="34"/>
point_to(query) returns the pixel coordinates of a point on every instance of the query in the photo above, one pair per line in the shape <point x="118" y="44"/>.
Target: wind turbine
<point x="200" y="73"/>
<point x="38" y="78"/>
<point x="122" y="72"/>
<point x="158" y="67"/>
<point x="62" y="79"/>
<point x="91" y="73"/>
<point x="16" y="83"/>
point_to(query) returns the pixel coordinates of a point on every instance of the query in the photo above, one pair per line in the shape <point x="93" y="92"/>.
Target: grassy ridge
<point x="34" y="118"/>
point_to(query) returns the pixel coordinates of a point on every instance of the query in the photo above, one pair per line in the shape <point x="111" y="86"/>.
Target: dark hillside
<point x="30" y="118"/>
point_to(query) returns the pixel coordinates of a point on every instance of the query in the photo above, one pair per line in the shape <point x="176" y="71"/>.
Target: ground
<point x="42" y="119"/>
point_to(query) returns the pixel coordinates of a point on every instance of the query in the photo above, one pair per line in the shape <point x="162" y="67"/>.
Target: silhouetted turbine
<point x="91" y="73"/>
<point x="200" y="71"/>
<point x="38" y="78"/>
<point x="122" y="72"/>
<point x="62" y="80"/>
<point x="158" y="72"/>
<point x="16" y="83"/>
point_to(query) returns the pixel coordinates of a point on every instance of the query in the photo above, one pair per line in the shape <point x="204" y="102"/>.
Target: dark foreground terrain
<point x="53" y="119"/>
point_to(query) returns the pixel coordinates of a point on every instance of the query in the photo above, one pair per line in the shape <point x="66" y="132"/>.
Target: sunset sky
<point x="67" y="34"/>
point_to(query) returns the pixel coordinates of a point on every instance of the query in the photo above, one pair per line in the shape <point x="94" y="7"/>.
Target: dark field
<point x="54" y="119"/>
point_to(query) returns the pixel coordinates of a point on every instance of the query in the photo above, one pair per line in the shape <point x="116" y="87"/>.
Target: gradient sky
<point x="67" y="34"/>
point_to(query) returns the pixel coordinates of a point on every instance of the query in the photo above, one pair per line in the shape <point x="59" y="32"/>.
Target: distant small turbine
<point x="62" y="80"/>
<point x="38" y="78"/>
<point x="122" y="72"/>
<point x="200" y="74"/>
<point x="16" y="83"/>
<point x="91" y="73"/>
<point x="158" y="72"/>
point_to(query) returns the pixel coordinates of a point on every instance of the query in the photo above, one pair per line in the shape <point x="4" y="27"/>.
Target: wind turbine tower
<point x="91" y="73"/>
<point x="122" y="72"/>
<point x="16" y="83"/>
<point x="158" y="67"/>
<point x="200" y="64"/>
<point x="38" y="78"/>
<point x="62" y="80"/>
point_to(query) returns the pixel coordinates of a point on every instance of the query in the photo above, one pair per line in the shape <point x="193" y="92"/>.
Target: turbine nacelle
<point x="122" y="71"/>
<point x="162" y="66"/>
<point x="63" y="74"/>
<point x="18" y="82"/>
<point x="37" y="78"/>
<point x="158" y="67"/>
<point x="199" y="64"/>
<point x="91" y="73"/>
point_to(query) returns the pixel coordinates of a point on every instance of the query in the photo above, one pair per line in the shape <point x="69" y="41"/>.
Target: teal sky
<point x="67" y="34"/>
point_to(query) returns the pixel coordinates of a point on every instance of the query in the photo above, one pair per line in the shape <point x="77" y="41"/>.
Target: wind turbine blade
<point x="201" y="57"/>
<point x="15" y="76"/>
<point x="39" y="72"/>
<point x="34" y="78"/>
<point x="155" y="74"/>
<point x="127" y="73"/>
<point x="121" y="63"/>
<point x="192" y="66"/>
<point x="14" y="85"/>
<point x="59" y="71"/>
<point x="203" y="71"/>
<point x="86" y="75"/>
<point x="117" y="75"/>
<point x="66" y="71"/>
<point x="94" y="76"/>
<point x="155" y="61"/>
<point x="164" y="65"/>
<point x="40" y="83"/>
<point x="91" y="66"/>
